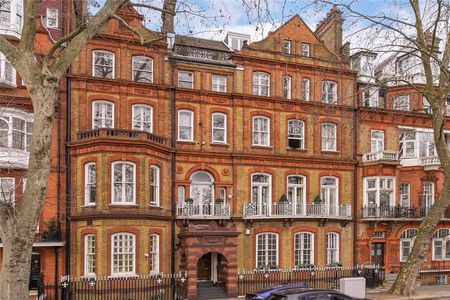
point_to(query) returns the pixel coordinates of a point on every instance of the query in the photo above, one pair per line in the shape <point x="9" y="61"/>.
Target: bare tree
<point x="419" y="29"/>
<point x="41" y="74"/>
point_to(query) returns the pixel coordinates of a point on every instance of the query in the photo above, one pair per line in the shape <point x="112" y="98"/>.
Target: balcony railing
<point x="122" y="133"/>
<point x="200" y="211"/>
<point x="380" y="156"/>
<point x="430" y="161"/>
<point x="397" y="212"/>
<point x="309" y="210"/>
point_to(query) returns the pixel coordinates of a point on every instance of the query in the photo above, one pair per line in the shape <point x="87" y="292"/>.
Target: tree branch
<point x="150" y="7"/>
<point x="63" y="40"/>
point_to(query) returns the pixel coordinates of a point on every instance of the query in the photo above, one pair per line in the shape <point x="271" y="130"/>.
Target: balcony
<point x="121" y="133"/>
<point x="389" y="212"/>
<point x="385" y="156"/>
<point x="430" y="162"/>
<point x="288" y="210"/>
<point x="203" y="211"/>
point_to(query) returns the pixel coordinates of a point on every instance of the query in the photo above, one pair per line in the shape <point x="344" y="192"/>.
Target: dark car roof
<point x="298" y="291"/>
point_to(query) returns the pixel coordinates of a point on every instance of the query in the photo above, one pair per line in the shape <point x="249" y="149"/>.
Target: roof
<point x="201" y="43"/>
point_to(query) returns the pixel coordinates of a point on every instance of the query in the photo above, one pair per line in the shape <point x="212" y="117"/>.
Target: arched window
<point x="154" y="253"/>
<point x="155" y="189"/>
<point x="102" y="114"/>
<point x="329" y="137"/>
<point x="329" y="193"/>
<point x="261" y="84"/>
<point x="185" y="125"/>
<point x="123" y="252"/>
<point x="89" y="255"/>
<point x="332" y="248"/>
<point x="103" y="64"/>
<point x="261" y="131"/>
<point x="303" y="249"/>
<point x="202" y="191"/>
<point x="262" y="193"/>
<point x="267" y="251"/>
<point x="123" y="183"/>
<point x="90" y="183"/>
<point x="441" y="244"/>
<point x="296" y="193"/>
<point x="142" y="69"/>
<point x="407" y="239"/>
<point x="143" y="117"/>
<point x="296" y="134"/>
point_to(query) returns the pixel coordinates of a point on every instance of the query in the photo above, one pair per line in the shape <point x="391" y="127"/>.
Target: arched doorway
<point x="202" y="191"/>
<point x="212" y="267"/>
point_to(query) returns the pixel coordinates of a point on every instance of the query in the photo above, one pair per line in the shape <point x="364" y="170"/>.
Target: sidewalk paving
<point x="422" y="292"/>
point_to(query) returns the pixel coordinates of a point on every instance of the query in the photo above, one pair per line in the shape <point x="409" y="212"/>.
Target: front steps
<point x="209" y="290"/>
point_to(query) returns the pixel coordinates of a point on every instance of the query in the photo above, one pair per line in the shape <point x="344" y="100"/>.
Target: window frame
<point x="326" y="84"/>
<point x="88" y="185"/>
<point x="395" y="105"/>
<point x="218" y="85"/>
<point x="88" y="256"/>
<point x="266" y="249"/>
<point x="378" y="189"/>
<point x="326" y="197"/>
<point x="299" y="248"/>
<point x="324" y="146"/>
<point x="12" y="191"/>
<point x="47" y="14"/>
<point x="154" y="256"/>
<point x="184" y="81"/>
<point x="379" y="142"/>
<point x="301" y="139"/>
<point x="287" y="47"/>
<point x="287" y="87"/>
<point x="145" y="71"/>
<point x="440" y="236"/>
<point x="402" y="194"/>
<point x="191" y="125"/>
<point x="258" y="202"/>
<point x="133" y="253"/>
<point x="155" y="186"/>
<point x="336" y="238"/>
<point x="306" y="89"/>
<point x="103" y="119"/>
<point x="123" y="183"/>
<point x="133" y="115"/>
<point x="113" y="72"/>
<point x="6" y="66"/>
<point x="407" y="236"/>
<point x="258" y="87"/>
<point x="260" y="133"/>
<point x="295" y="187"/>
<point x="302" y="49"/>
<point x="213" y="128"/>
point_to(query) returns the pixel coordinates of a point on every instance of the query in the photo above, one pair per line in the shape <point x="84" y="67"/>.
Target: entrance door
<point x="204" y="267"/>
<point x="35" y="270"/>
<point x="378" y="253"/>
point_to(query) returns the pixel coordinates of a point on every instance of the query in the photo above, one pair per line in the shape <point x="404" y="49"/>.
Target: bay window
<point x="16" y="129"/>
<point x="267" y="251"/>
<point x="123" y="254"/>
<point x="123" y="183"/>
<point x="407" y="144"/>
<point x="8" y="190"/>
<point x="303" y="249"/>
<point x="377" y="140"/>
<point x="90" y="181"/>
<point x="379" y="191"/>
<point x="7" y="72"/>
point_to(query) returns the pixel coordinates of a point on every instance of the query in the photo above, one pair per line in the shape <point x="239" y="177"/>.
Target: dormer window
<point x="7" y="73"/>
<point x="305" y="50"/>
<point x="236" y="40"/>
<point x="287" y="47"/>
<point x="103" y="64"/>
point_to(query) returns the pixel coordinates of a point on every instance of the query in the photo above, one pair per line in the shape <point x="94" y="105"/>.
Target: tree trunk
<point x="18" y="226"/>
<point x="405" y="283"/>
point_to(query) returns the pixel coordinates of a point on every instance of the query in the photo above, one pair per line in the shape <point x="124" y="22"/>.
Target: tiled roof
<point x="201" y="43"/>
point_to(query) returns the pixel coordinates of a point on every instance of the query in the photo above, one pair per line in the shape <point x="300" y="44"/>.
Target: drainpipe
<point x="355" y="181"/>
<point x="173" y="145"/>
<point x="68" y="172"/>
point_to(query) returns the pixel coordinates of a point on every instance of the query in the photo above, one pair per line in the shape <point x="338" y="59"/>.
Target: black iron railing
<point x="323" y="278"/>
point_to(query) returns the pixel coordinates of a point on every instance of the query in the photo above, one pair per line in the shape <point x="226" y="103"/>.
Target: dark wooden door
<point x="35" y="271"/>
<point x="378" y="253"/>
<point x="204" y="267"/>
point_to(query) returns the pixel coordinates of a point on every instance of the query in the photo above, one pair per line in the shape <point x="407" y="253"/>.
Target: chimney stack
<point x="330" y="30"/>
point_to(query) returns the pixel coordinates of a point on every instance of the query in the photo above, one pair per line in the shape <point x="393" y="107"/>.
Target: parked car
<point x="264" y="293"/>
<point x="309" y="294"/>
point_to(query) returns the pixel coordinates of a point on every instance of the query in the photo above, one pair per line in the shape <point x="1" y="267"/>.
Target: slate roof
<point x="201" y="43"/>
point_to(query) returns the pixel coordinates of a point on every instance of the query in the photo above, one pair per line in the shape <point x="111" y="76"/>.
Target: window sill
<point x="330" y="151"/>
<point x="262" y="147"/>
<point x="122" y="205"/>
<point x="89" y="206"/>
<point x="215" y="144"/>
<point x="296" y="150"/>
<point x="186" y="142"/>
<point x="158" y="207"/>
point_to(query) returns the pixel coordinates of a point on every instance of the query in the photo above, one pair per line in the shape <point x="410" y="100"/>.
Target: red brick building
<point x="16" y="125"/>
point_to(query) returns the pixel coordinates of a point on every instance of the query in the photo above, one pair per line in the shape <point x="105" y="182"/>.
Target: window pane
<point x="142" y="69"/>
<point x="103" y="64"/>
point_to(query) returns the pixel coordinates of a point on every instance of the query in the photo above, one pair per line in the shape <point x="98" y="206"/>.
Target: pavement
<point x="428" y="292"/>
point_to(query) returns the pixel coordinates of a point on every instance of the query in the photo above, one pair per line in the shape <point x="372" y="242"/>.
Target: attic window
<point x="287" y="47"/>
<point x="305" y="50"/>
